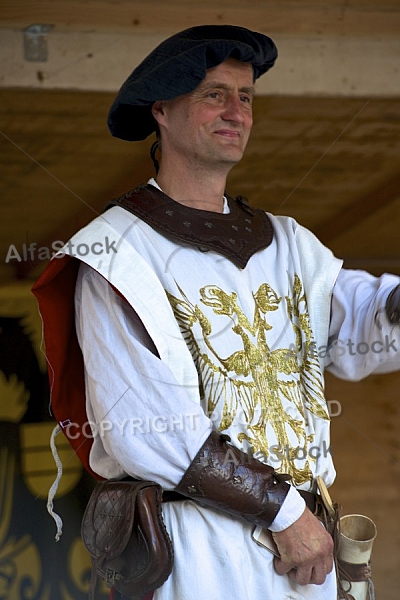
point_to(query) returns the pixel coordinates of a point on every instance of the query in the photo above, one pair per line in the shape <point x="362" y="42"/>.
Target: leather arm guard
<point x="224" y="477"/>
<point x="393" y="306"/>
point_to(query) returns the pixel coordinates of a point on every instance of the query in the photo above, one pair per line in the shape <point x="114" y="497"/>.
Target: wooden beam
<point x="288" y="17"/>
<point x="101" y="61"/>
<point x="362" y="209"/>
<point x="373" y="265"/>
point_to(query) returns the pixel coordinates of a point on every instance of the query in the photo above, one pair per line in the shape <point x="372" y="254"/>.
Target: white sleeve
<point x="146" y="426"/>
<point x="361" y="339"/>
<point x="291" y="510"/>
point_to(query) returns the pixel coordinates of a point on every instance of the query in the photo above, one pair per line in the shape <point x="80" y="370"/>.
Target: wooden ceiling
<point x="331" y="162"/>
<point x="278" y="16"/>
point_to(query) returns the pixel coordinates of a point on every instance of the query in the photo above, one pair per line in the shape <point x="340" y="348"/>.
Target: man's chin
<point x="232" y="154"/>
<point x="234" y="157"/>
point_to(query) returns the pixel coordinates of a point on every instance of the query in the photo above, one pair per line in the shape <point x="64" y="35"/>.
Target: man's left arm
<point x="364" y="334"/>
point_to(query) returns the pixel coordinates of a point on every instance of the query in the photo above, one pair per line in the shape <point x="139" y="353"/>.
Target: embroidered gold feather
<point x="257" y="380"/>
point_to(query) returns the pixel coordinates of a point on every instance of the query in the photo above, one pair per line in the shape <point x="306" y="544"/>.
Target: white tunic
<point x="210" y="345"/>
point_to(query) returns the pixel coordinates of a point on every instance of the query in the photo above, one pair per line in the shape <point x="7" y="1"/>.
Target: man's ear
<point x="157" y="110"/>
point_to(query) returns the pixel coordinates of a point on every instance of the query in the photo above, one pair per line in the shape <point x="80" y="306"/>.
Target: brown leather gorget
<point x="237" y="235"/>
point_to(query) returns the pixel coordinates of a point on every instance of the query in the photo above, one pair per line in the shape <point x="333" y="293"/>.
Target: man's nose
<point x="234" y="109"/>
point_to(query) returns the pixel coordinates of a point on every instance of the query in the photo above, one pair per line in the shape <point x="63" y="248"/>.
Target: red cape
<point x="54" y="291"/>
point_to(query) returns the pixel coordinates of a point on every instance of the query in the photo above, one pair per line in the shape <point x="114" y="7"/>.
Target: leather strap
<point x="224" y="477"/>
<point x="237" y="235"/>
<point x="352" y="572"/>
<point x="309" y="498"/>
<point x="172" y="497"/>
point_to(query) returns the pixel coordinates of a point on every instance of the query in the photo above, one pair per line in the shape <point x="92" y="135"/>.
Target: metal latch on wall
<point x="35" y="42"/>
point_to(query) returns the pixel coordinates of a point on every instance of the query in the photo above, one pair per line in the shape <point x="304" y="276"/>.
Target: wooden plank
<point x="373" y="240"/>
<point x="359" y="210"/>
<point x="101" y="61"/>
<point x="364" y="444"/>
<point x="385" y="3"/>
<point x="274" y="17"/>
<point x="311" y="157"/>
<point x="375" y="266"/>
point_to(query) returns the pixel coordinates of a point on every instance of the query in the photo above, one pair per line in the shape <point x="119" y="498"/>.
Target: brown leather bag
<point x="124" y="532"/>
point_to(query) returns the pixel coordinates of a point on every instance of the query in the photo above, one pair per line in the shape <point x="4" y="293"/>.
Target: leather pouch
<point x="124" y="532"/>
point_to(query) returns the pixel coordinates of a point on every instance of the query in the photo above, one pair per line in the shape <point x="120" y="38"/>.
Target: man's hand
<point x="306" y="550"/>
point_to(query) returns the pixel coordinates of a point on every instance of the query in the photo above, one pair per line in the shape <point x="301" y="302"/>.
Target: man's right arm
<point x="147" y="425"/>
<point x="224" y="477"/>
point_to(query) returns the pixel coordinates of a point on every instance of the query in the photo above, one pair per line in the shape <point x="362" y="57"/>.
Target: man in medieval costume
<point x="201" y="336"/>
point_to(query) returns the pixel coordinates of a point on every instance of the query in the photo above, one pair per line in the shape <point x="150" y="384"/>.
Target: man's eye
<point x="213" y="94"/>
<point x="246" y="99"/>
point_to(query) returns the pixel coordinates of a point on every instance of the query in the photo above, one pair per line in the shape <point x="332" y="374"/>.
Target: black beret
<point x="177" y="66"/>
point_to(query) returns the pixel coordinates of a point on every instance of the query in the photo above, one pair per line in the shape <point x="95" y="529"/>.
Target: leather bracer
<point x="224" y="477"/>
<point x="393" y="306"/>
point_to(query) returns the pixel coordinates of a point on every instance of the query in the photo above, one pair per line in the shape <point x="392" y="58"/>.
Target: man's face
<point x="210" y="126"/>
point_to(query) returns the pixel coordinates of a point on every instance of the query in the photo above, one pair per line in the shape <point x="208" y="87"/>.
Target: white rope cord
<point x="54" y="487"/>
<point x="371" y="589"/>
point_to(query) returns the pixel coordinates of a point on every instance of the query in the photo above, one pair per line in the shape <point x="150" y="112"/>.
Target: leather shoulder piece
<point x="224" y="477"/>
<point x="237" y="235"/>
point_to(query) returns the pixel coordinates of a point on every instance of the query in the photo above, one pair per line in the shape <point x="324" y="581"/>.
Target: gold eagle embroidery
<point x="258" y="379"/>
